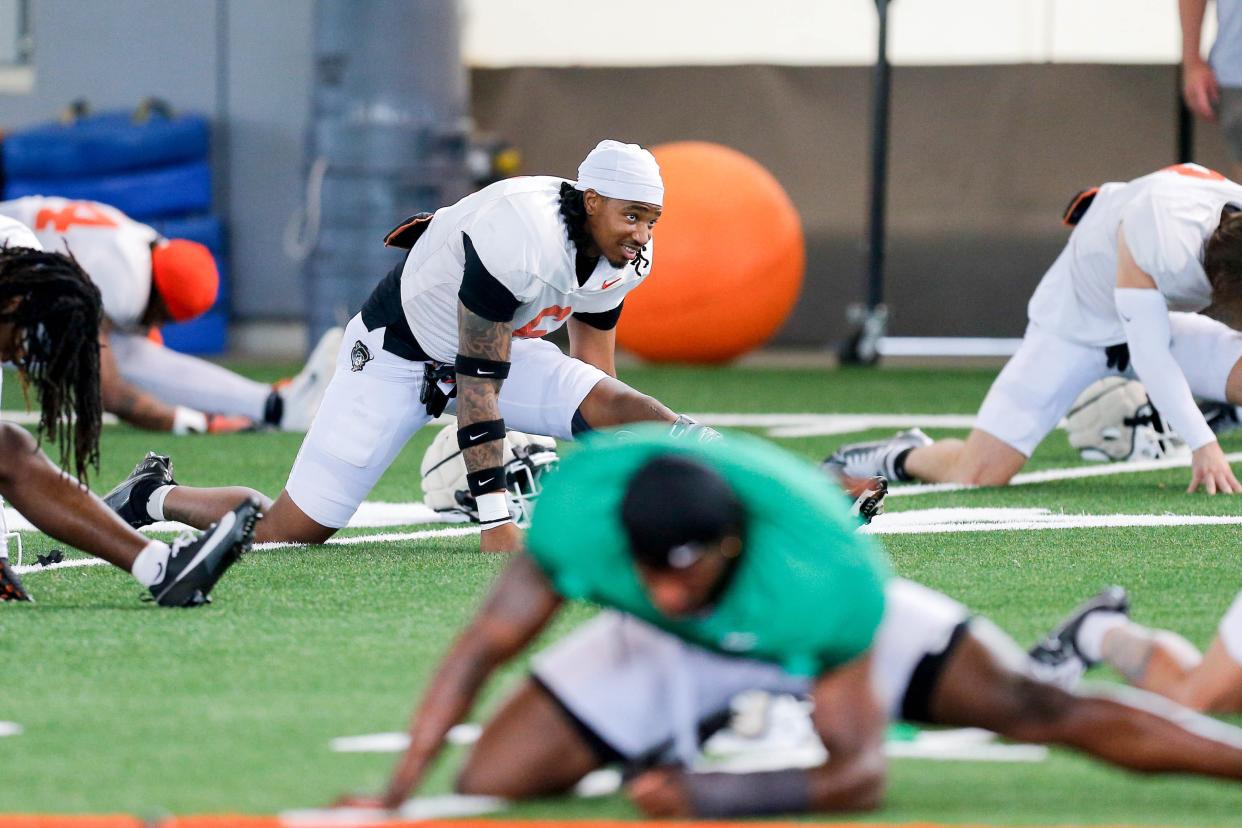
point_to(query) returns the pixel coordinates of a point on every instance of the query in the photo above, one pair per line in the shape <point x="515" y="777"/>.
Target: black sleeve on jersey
<point x="481" y="292"/>
<point x="604" y="320"/>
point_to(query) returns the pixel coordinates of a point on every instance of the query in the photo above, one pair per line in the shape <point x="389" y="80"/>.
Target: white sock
<point x="155" y="503"/>
<point x="151" y="563"/>
<point x="1093" y="629"/>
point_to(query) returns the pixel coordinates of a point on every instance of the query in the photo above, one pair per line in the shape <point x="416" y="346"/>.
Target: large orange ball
<point x="728" y="259"/>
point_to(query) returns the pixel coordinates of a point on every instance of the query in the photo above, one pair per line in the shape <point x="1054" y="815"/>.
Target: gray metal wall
<point x="245" y="63"/>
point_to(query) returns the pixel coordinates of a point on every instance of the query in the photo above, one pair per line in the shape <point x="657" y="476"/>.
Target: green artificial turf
<point x="130" y="708"/>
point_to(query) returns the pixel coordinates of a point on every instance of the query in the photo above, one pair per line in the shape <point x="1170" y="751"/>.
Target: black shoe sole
<point x="183" y="594"/>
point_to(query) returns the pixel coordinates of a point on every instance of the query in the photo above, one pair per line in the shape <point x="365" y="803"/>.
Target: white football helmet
<point x="1113" y="419"/>
<point x="526" y="458"/>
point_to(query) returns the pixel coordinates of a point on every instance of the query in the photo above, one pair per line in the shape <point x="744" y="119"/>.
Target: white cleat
<point x="304" y="392"/>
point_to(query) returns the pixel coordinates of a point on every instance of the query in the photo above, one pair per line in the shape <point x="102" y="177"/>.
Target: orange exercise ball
<point x="727" y="262"/>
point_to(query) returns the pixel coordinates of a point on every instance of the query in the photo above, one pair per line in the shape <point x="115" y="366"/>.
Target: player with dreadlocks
<point x="49" y="329"/>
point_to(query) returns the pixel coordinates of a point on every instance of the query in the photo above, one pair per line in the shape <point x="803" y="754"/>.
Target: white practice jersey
<point x="14" y="233"/>
<point x="113" y="249"/>
<point x="518" y="233"/>
<point x="1167" y="218"/>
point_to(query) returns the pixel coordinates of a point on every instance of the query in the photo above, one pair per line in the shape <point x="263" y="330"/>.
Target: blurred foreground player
<point x="49" y="327"/>
<point x="1123" y="298"/>
<point x="145" y="281"/>
<point x="726" y="569"/>
<point x="1159" y="661"/>
<point x="462" y="322"/>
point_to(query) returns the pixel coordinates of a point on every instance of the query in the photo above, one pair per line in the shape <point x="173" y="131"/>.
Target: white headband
<point x="620" y="170"/>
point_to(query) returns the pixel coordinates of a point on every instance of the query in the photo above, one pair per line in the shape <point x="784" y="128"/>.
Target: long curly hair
<point x="573" y="211"/>
<point x="55" y="312"/>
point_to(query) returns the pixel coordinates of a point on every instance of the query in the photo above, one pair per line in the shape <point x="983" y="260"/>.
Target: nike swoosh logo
<point x="1124" y="318"/>
<point x="477" y="436"/>
<point x="224" y="527"/>
<point x="483" y="373"/>
<point x="609" y="283"/>
<point x="485" y="482"/>
<point x="159" y="576"/>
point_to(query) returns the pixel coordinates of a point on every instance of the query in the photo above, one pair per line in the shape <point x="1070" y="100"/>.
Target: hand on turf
<point x="661" y="793"/>
<point x="224" y="424"/>
<point x="504" y="538"/>
<point x="1211" y="470"/>
<point x="360" y="801"/>
<point x="1200" y="89"/>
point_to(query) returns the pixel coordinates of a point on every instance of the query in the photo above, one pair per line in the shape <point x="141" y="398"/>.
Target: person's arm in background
<point x="142" y="410"/>
<point x="1199" y="86"/>
<point x="1145" y="318"/>
<point x="592" y="344"/>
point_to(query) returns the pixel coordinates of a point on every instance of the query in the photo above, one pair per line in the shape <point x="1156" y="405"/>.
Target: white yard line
<point x="991" y="519"/>
<point x="816" y="425"/>
<point x="387" y="537"/>
<point x="1069" y="473"/>
<point x="910" y="522"/>
<point x="24" y="417"/>
<point x="10" y="729"/>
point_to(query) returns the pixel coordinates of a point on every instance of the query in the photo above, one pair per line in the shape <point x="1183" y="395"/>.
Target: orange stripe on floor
<point x="242" y="821"/>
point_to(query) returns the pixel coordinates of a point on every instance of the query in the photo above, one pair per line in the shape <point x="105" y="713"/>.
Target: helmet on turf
<point x="526" y="458"/>
<point x="1113" y="419"/>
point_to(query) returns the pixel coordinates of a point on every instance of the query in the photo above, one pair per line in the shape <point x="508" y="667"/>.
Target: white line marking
<point x="1069" y="473"/>
<point x="10" y="729"/>
<point x="370" y="515"/>
<point x="466" y="733"/>
<point x="814" y="425"/>
<point x="418" y="808"/>
<point x="387" y="537"/>
<point x="911" y="522"/>
<point x="997" y="519"/>
<point x="22" y="417"/>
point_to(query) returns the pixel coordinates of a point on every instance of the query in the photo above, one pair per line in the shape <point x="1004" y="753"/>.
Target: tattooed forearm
<point x="478" y="399"/>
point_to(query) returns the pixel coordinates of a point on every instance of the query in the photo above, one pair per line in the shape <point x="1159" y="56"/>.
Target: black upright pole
<point x="879" y="163"/>
<point x="1185" y="125"/>
<point x="870" y="321"/>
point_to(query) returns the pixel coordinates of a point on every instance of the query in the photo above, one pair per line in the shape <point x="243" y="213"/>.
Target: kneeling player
<point x="464" y="318"/>
<point x="1143" y="259"/>
<point x="723" y="587"/>
<point x="49" y="326"/>
<point x="146" y="280"/>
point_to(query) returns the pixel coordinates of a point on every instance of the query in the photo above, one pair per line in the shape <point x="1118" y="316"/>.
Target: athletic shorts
<point x="1231" y="629"/>
<point x="368" y="415"/>
<point x="1040" y="383"/>
<point x="642" y="692"/>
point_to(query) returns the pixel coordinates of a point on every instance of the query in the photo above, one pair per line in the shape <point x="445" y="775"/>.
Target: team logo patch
<point x="359" y="356"/>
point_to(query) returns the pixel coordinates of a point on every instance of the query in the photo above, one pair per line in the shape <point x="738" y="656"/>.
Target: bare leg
<point x="55" y="503"/>
<point x="982" y="460"/>
<point x="1233" y="385"/>
<point x="983" y="685"/>
<point x="612" y="402"/>
<point x="1153" y="660"/>
<point x="528" y="749"/>
<point x="1215" y="685"/>
<point x="1165" y="663"/>
<point x="282" y="519"/>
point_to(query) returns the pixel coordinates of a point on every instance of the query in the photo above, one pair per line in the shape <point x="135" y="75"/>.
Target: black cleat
<point x="1061" y="645"/>
<point x="11" y="588"/>
<point x="129" y="498"/>
<point x="868" y="497"/>
<point x="195" y="566"/>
